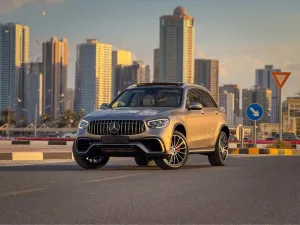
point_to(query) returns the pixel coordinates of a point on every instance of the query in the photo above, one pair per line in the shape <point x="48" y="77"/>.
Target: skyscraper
<point x="260" y="95"/>
<point x="70" y="99"/>
<point x="138" y="72"/>
<point x="93" y="81"/>
<point x="207" y="75"/>
<point x="234" y="89"/>
<point x="264" y="78"/>
<point x="14" y="59"/>
<point x="156" y="65"/>
<point x="55" y="61"/>
<point x="34" y="91"/>
<point x="119" y="57"/>
<point x="177" y="47"/>
<point x="227" y="101"/>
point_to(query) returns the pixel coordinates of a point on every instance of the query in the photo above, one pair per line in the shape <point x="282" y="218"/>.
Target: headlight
<point x="83" y="124"/>
<point x="160" y="123"/>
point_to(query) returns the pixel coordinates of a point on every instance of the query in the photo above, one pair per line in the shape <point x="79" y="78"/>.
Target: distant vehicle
<point x="69" y="135"/>
<point x="287" y="137"/>
<point x="160" y="122"/>
<point x="269" y="139"/>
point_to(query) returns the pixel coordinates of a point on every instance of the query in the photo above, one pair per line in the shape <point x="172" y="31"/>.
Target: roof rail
<point x="161" y="84"/>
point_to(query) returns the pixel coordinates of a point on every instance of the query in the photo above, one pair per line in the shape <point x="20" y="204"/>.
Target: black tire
<point x="165" y="163"/>
<point x="86" y="164"/>
<point x="218" y="157"/>
<point x="143" y="161"/>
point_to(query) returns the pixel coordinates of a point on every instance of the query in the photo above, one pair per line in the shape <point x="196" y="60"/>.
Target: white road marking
<point x="21" y="192"/>
<point x="115" y="178"/>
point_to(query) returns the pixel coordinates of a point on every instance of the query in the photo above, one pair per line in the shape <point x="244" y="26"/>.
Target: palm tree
<point x="78" y="116"/>
<point x="44" y="119"/>
<point x="67" y="118"/>
<point x="8" y="114"/>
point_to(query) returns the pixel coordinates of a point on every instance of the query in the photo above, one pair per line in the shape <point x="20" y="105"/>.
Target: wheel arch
<point x="181" y="128"/>
<point x="225" y="128"/>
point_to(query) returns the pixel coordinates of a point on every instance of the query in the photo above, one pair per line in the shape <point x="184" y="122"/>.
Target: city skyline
<point x="240" y="49"/>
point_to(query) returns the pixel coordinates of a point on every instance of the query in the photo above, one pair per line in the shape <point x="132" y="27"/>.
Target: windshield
<point x="149" y="97"/>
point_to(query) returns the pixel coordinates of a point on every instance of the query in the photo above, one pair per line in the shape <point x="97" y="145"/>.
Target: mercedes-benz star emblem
<point x="114" y="127"/>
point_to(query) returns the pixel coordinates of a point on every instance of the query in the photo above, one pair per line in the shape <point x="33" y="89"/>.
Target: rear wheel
<point x="143" y="161"/>
<point x="179" y="156"/>
<point x="91" y="162"/>
<point x="220" y="155"/>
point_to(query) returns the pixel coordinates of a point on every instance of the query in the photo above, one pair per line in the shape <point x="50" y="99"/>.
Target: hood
<point x="130" y="113"/>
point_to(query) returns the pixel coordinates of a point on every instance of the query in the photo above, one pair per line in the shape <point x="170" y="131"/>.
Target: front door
<point x="195" y="121"/>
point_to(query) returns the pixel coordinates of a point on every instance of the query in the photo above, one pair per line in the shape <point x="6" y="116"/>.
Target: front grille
<point x="127" y="127"/>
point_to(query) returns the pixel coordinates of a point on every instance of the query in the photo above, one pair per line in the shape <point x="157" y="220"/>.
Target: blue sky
<point x="242" y="35"/>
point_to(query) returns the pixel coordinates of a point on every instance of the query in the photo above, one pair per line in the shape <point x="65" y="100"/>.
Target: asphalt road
<point x="252" y="190"/>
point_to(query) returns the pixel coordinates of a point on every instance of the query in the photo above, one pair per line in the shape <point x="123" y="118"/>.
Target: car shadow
<point x="76" y="168"/>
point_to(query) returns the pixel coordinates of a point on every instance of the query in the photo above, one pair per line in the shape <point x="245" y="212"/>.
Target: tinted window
<point x="200" y="96"/>
<point x="149" y="97"/>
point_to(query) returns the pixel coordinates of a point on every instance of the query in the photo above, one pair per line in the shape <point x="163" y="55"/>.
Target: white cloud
<point x="10" y="5"/>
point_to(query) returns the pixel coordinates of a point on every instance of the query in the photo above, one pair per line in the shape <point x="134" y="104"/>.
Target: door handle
<point x="216" y="112"/>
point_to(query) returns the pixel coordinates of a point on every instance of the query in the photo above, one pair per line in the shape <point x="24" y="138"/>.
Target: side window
<point x="213" y="102"/>
<point x="200" y="96"/>
<point x="192" y="96"/>
<point x="209" y="101"/>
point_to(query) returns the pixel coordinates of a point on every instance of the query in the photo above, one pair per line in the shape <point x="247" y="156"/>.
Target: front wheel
<point x="91" y="162"/>
<point x="220" y="155"/>
<point x="179" y="153"/>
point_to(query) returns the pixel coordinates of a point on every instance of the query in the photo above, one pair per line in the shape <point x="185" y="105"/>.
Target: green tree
<point x="77" y="117"/>
<point x="66" y="119"/>
<point x="44" y="119"/>
<point x="8" y="114"/>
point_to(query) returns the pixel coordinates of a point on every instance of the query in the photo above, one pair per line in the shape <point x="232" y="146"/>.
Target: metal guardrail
<point x="67" y="130"/>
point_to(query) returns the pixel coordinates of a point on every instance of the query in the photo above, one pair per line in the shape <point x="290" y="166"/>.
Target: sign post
<point x="240" y="133"/>
<point x="280" y="78"/>
<point x="254" y="112"/>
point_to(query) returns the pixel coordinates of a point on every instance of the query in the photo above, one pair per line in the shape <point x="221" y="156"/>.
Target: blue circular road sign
<point x="254" y="111"/>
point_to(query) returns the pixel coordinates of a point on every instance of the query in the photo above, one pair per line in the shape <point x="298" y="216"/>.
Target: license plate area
<point x="114" y="140"/>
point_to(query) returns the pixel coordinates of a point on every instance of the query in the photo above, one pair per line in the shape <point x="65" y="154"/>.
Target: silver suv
<point x="160" y="122"/>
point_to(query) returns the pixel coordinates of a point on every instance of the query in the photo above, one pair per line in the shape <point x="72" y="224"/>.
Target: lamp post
<point x="35" y="119"/>
<point x="8" y="116"/>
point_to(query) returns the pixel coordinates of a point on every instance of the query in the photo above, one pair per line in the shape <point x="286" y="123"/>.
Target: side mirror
<point x="195" y="106"/>
<point x="104" y="106"/>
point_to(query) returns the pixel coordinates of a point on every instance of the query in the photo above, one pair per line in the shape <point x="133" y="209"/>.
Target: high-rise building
<point x="234" y="89"/>
<point x="14" y="59"/>
<point x="156" y="65"/>
<point x="93" y="80"/>
<point x="227" y="101"/>
<point x="34" y="90"/>
<point x="259" y="95"/>
<point x="70" y="99"/>
<point x="264" y="78"/>
<point x="292" y="123"/>
<point x="138" y="72"/>
<point x="119" y="58"/>
<point x="55" y="61"/>
<point x="177" y="47"/>
<point x="207" y="75"/>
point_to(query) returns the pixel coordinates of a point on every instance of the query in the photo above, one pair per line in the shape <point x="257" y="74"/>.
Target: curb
<point x="36" y="156"/>
<point x="27" y="142"/>
<point x="263" y="151"/>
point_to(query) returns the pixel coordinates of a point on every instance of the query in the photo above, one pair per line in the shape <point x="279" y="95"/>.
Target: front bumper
<point x="151" y="147"/>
